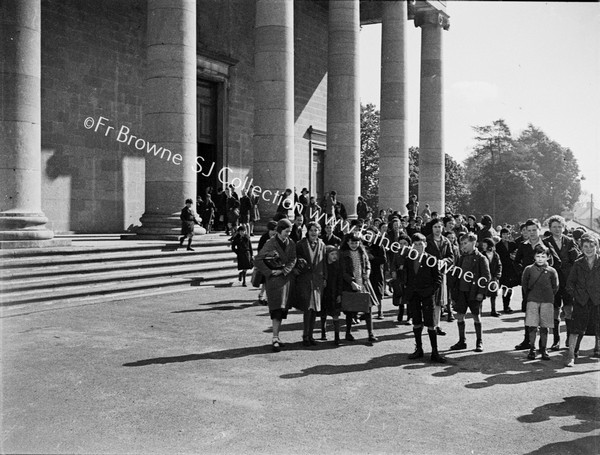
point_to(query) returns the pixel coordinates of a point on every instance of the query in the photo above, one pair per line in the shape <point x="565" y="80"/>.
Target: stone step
<point x="113" y="269"/>
<point x="119" y="290"/>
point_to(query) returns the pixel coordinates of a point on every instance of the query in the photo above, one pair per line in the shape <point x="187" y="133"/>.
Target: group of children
<point x="419" y="286"/>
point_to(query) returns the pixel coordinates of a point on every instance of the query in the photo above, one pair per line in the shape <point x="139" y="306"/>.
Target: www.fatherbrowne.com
<point x="395" y="247"/>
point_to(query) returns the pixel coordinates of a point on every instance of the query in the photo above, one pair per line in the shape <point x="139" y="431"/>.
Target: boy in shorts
<point x="540" y="284"/>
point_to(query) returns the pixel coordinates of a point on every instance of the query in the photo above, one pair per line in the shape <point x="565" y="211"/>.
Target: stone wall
<point x="92" y="66"/>
<point x="93" y="57"/>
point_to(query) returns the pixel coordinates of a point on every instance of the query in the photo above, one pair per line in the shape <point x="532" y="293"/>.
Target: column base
<point x="162" y="227"/>
<point x="21" y="244"/>
<point x="18" y="227"/>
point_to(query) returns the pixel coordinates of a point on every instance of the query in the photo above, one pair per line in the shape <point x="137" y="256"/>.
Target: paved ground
<point x="192" y="372"/>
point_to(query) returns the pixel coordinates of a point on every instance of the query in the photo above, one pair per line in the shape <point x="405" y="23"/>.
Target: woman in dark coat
<point x="311" y="275"/>
<point x="356" y="269"/>
<point x="276" y="261"/>
<point x="242" y="247"/>
<point x="208" y="213"/>
<point x="254" y="211"/>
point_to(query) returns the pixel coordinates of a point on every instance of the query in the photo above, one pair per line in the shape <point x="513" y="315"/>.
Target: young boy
<point x="584" y="285"/>
<point x="422" y="283"/>
<point x="188" y="218"/>
<point x="540" y="284"/>
<point x="469" y="288"/>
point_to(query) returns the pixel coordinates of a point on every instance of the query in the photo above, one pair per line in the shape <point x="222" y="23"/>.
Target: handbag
<point x="257" y="278"/>
<point x="357" y="302"/>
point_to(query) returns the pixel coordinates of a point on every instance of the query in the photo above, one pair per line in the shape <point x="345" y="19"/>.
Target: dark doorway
<point x="318" y="174"/>
<point x="208" y="136"/>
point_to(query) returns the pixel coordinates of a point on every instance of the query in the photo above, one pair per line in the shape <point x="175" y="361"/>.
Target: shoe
<point x="450" y="317"/>
<point x="373" y="339"/>
<point x="189" y="248"/>
<point x="276" y="346"/>
<point x="262" y="302"/>
<point x="181" y="241"/>
<point x="437" y="358"/>
<point x="305" y="342"/>
<point x="312" y="341"/>
<point x="545" y="355"/>
<point x="531" y="355"/>
<point x="521" y="347"/>
<point x="244" y="285"/>
<point x="569" y="361"/>
<point x="458" y="346"/>
<point x="323" y="337"/>
<point x="349" y="337"/>
<point x="417" y="354"/>
<point x="479" y="346"/>
<point x="555" y="346"/>
<point x="440" y="332"/>
<point x="495" y="314"/>
<point x="379" y="316"/>
<point x="508" y="311"/>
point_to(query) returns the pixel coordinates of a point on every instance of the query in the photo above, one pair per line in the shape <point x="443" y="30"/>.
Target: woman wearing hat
<point x="311" y="279"/>
<point x="276" y="261"/>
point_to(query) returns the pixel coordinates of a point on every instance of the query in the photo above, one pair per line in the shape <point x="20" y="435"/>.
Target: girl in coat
<point x="356" y="269"/>
<point x="310" y="279"/>
<point x="276" y="261"/>
<point x="242" y="247"/>
<point x="331" y="304"/>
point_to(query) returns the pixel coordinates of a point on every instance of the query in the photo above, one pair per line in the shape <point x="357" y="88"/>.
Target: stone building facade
<point x="115" y="112"/>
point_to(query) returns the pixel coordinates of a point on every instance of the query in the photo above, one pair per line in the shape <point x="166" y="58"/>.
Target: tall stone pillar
<point x="393" y="151"/>
<point x="169" y="114"/>
<point x="22" y="223"/>
<point x="342" y="158"/>
<point x="432" y="172"/>
<point x="273" y="143"/>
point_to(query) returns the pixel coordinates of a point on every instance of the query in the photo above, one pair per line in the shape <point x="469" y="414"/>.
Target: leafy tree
<point x="513" y="180"/>
<point x="369" y="154"/>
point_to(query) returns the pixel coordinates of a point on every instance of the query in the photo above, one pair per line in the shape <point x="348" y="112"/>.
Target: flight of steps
<point x="106" y="267"/>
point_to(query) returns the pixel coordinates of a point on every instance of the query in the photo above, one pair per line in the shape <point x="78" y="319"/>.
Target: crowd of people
<point x="438" y="266"/>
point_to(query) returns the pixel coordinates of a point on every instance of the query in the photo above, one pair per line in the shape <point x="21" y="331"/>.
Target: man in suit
<point x="422" y="282"/>
<point x="567" y="250"/>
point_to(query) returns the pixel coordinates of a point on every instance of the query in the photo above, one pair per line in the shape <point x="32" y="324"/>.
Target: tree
<point x="512" y="180"/>
<point x="369" y="154"/>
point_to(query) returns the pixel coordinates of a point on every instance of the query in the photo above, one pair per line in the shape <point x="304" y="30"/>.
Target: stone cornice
<point x="432" y="17"/>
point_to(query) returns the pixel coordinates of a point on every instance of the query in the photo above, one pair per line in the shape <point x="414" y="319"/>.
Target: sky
<point x="524" y="62"/>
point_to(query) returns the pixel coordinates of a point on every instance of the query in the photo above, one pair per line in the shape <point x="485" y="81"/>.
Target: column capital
<point x="432" y="17"/>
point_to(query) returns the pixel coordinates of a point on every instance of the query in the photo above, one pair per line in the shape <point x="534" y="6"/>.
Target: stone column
<point x="432" y="173"/>
<point x="22" y="223"/>
<point x="169" y="114"/>
<point x="273" y="143"/>
<point x="393" y="152"/>
<point x="342" y="158"/>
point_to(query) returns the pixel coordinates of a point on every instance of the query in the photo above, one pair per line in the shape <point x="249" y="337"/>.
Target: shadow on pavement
<point x="511" y="368"/>
<point x="248" y="304"/>
<point x="590" y="445"/>
<point x="585" y="409"/>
